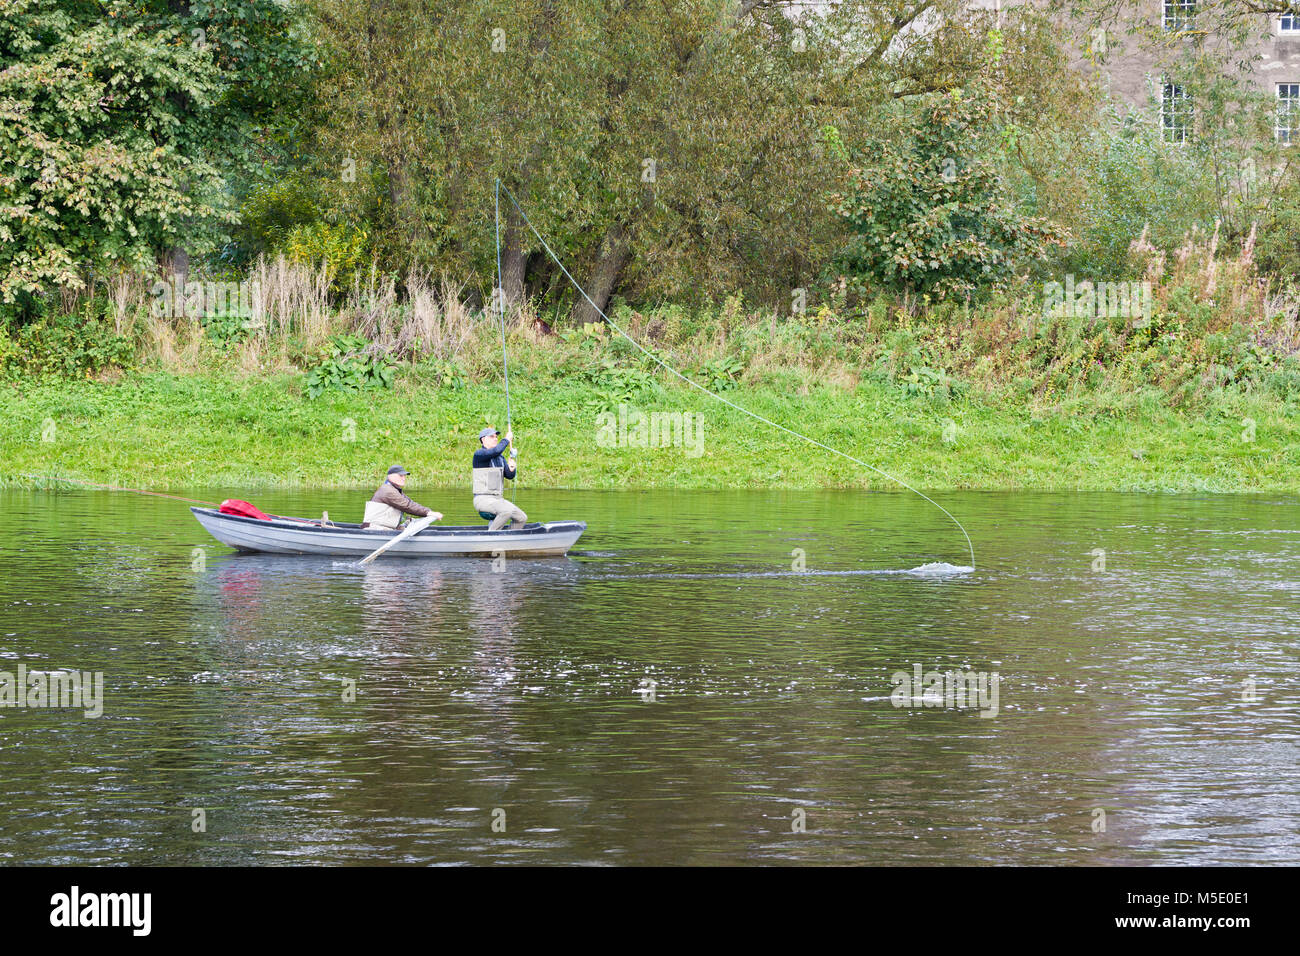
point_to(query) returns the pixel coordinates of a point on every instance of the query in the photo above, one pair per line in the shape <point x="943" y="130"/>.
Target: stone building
<point x="1133" y="73"/>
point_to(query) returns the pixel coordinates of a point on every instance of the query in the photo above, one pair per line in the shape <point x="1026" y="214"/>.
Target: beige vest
<point x="380" y="515"/>
<point x="489" y="481"/>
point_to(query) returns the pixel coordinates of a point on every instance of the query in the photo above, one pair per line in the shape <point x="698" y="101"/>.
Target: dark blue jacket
<point x="494" y="458"/>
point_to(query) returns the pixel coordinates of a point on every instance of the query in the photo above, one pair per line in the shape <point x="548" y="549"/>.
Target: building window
<point x="1288" y="112"/>
<point x="1175" y="113"/>
<point x="1289" y="25"/>
<point x="1180" y="16"/>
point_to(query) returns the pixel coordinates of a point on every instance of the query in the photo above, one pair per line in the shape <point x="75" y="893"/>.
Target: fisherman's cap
<point x="487" y="431"/>
<point x="398" y="470"/>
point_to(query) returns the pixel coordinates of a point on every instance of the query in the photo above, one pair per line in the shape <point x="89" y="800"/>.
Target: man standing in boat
<point x="386" y="508"/>
<point x="490" y="471"/>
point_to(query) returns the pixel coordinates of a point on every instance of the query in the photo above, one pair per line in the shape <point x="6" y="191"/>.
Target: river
<point x="708" y="678"/>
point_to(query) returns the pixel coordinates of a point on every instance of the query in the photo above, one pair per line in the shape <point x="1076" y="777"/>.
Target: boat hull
<point x="299" y="536"/>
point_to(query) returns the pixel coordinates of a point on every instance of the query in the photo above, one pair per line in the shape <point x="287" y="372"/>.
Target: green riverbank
<point x="163" y="431"/>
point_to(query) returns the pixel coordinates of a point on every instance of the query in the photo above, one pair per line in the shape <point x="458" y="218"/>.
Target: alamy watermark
<point x="179" y="299"/>
<point x="1097" y="300"/>
<point x="630" y="427"/>
<point x="76" y="909"/>
<point x="53" y="689"/>
<point x="951" y="690"/>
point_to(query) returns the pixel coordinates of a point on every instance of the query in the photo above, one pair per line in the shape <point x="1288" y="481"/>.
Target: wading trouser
<point x="505" y="511"/>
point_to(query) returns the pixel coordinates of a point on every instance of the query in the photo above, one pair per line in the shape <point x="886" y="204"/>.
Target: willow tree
<point x="1237" y="21"/>
<point x="665" y="149"/>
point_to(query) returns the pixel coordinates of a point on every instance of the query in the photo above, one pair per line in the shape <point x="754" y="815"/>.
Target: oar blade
<point x="415" y="527"/>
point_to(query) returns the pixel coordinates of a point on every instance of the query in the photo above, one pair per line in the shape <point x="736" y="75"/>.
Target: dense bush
<point x="341" y="249"/>
<point x="348" y="362"/>
<point x="124" y="123"/>
<point x="1130" y="181"/>
<point x="80" y="344"/>
<point x="929" y="214"/>
<point x="1278" y="249"/>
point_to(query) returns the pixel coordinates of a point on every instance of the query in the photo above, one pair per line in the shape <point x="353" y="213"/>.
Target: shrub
<point x="342" y="249"/>
<point x="929" y="214"/>
<point x="344" y="363"/>
<point x="69" y="345"/>
<point x="1131" y="180"/>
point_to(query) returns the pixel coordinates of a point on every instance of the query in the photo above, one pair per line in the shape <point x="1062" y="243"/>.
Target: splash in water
<point x="938" y="568"/>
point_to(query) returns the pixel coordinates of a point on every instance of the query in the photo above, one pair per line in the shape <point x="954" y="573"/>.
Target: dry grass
<point x="292" y="299"/>
<point x="295" y="311"/>
<point x="1228" y="282"/>
<point x="1199" y="288"/>
<point x="429" y="320"/>
<point x="175" y="343"/>
<point x="126" y="296"/>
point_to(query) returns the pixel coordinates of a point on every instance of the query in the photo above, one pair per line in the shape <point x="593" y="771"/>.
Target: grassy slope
<point x="162" y="431"/>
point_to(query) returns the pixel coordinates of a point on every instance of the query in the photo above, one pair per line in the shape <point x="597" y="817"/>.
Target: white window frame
<point x="1288" y="31"/>
<point x="1288" y="106"/>
<point x="1170" y="95"/>
<point x="1183" y="20"/>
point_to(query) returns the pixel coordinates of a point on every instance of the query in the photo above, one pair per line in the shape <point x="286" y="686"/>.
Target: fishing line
<point x="694" y="384"/>
<point x="99" y="487"/>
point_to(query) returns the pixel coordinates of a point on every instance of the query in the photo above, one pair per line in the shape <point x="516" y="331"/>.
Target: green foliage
<point x="121" y="123"/>
<point x="344" y="364"/>
<point x="270" y="211"/>
<point x="445" y="372"/>
<point x="617" y="383"/>
<point x="729" y="104"/>
<point x="915" y="367"/>
<point x="66" y="346"/>
<point x="930" y="214"/>
<point x="720" y="375"/>
<point x="226" y="328"/>
<point x="589" y="334"/>
<point x="341" y="249"/>
<point x="97" y="166"/>
<point x="1135" y="181"/>
<point x="833" y="143"/>
<point x="1235" y="356"/>
<point x="922" y="380"/>
<point x="1124" y="172"/>
<point x="1284" y="382"/>
<point x="1130" y="181"/>
<point x="1278" y="249"/>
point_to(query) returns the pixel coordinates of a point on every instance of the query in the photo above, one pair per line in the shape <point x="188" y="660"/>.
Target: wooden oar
<point x="415" y="527"/>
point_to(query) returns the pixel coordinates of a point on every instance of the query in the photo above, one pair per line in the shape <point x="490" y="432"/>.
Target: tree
<point x="1236" y="21"/>
<point x="929" y="214"/>
<point x="664" y="149"/>
<point x="96" y="170"/>
<point x="122" y="125"/>
<point x="1205" y="91"/>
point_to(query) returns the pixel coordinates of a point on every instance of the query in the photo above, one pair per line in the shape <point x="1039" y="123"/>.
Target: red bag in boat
<point x="233" y="506"/>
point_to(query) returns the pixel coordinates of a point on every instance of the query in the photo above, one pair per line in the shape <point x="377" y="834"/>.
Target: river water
<point x="707" y="679"/>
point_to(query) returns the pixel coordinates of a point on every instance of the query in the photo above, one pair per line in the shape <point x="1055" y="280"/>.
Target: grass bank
<point x="1036" y="388"/>
<point x="161" y="430"/>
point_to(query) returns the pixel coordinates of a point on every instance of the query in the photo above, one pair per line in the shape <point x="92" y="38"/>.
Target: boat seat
<point x="487" y="516"/>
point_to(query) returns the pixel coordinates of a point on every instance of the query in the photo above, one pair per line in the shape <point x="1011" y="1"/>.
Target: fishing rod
<point x="501" y="308"/>
<point x="694" y="384"/>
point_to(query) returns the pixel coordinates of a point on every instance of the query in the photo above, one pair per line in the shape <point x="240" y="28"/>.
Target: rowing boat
<point x="284" y="535"/>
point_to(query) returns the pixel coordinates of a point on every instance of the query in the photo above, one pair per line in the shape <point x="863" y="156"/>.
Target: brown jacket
<point x="393" y="497"/>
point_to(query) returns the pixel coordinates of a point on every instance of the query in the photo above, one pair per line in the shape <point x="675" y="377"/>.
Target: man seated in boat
<point x="386" y="508"/>
<point x="490" y="471"/>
